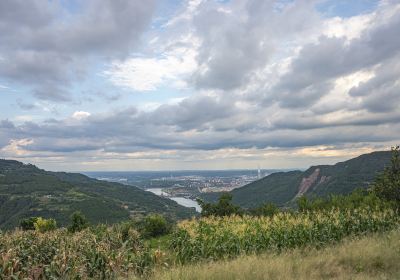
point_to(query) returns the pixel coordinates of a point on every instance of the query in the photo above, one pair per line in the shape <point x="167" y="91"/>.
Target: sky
<point x="197" y="84"/>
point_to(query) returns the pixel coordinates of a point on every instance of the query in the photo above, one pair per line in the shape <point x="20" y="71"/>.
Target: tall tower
<point x="259" y="173"/>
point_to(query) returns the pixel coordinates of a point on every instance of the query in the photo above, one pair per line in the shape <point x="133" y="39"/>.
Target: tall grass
<point x="103" y="252"/>
<point x="99" y="253"/>
<point x="214" y="238"/>
<point x="374" y="256"/>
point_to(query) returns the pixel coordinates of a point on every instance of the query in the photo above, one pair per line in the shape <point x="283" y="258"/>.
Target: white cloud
<point x="148" y="74"/>
<point x="79" y="115"/>
<point x="16" y="147"/>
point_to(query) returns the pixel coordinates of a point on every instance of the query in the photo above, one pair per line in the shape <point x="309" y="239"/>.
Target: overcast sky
<point x="199" y="84"/>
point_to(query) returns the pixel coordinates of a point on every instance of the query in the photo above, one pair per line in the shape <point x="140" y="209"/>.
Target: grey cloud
<point x="25" y="106"/>
<point x="193" y="113"/>
<point x="201" y="123"/>
<point x="318" y="64"/>
<point x="239" y="42"/>
<point x="47" y="48"/>
<point x="382" y="92"/>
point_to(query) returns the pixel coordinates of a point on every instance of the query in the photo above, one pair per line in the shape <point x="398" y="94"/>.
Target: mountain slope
<point x="26" y="191"/>
<point x="284" y="187"/>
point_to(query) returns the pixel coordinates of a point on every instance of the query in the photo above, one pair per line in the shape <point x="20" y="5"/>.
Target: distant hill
<point x="283" y="188"/>
<point x="26" y="191"/>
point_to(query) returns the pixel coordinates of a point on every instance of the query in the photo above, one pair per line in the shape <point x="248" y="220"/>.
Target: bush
<point x="224" y="207"/>
<point x="78" y="222"/>
<point x="267" y="209"/>
<point x="44" y="225"/>
<point x="28" y="223"/>
<point x="358" y="198"/>
<point x="155" y="225"/>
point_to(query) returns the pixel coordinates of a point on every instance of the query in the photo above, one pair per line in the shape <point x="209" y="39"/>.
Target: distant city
<point x="185" y="186"/>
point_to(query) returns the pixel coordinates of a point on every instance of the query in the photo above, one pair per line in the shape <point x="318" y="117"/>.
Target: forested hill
<point x="26" y="191"/>
<point x="283" y="188"/>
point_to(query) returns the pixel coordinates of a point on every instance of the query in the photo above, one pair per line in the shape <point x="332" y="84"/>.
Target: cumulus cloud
<point x="46" y="47"/>
<point x="319" y="64"/>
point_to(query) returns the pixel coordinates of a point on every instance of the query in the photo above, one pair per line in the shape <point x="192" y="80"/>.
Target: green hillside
<point x="26" y="191"/>
<point x="282" y="188"/>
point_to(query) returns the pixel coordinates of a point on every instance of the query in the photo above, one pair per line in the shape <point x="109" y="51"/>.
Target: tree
<point x="28" y="223"/>
<point x="78" y="222"/>
<point x="43" y="225"/>
<point x="387" y="184"/>
<point x="224" y="207"/>
<point x="155" y="225"/>
<point x="267" y="209"/>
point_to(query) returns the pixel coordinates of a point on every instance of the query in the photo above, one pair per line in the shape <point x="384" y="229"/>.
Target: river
<point x="187" y="202"/>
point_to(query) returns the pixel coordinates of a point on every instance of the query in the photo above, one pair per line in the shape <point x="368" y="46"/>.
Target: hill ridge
<point x="283" y="188"/>
<point x="26" y="190"/>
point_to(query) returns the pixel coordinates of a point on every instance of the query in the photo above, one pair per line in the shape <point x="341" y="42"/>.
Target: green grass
<point x="375" y="256"/>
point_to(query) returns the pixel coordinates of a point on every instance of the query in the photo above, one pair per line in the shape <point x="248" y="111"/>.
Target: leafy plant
<point x="28" y="223"/>
<point x="224" y="207"/>
<point x="155" y="225"/>
<point x="358" y="198"/>
<point x="267" y="209"/>
<point x="94" y="253"/>
<point x="223" y="237"/>
<point x="43" y="225"/>
<point x="78" y="222"/>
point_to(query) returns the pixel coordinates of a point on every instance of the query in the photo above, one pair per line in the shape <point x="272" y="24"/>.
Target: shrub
<point x="78" y="222"/>
<point x="224" y="207"/>
<point x="358" y="198"/>
<point x="43" y="225"/>
<point x="155" y="225"/>
<point x="28" y="223"/>
<point x="267" y="209"/>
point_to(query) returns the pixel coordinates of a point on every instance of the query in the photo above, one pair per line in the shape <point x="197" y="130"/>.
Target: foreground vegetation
<point x="375" y="256"/>
<point x="215" y="238"/>
<point x="98" y="253"/>
<point x="102" y="252"/>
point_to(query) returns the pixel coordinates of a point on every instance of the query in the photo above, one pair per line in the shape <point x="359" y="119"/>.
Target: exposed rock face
<point x="307" y="182"/>
<point x="324" y="179"/>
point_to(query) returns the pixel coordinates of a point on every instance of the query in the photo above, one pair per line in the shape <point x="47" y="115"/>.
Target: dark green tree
<point x="28" y="223"/>
<point x="387" y="184"/>
<point x="267" y="209"/>
<point x="155" y="225"/>
<point x="78" y="222"/>
<point x="224" y="207"/>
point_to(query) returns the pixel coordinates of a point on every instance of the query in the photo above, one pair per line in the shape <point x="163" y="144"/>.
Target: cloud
<point x="79" y="115"/>
<point x="264" y="77"/>
<point x="239" y="38"/>
<point x="147" y="74"/>
<point x="318" y="65"/>
<point x="48" y="48"/>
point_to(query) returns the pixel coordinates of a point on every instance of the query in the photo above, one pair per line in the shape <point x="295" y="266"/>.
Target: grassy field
<point x="376" y="256"/>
